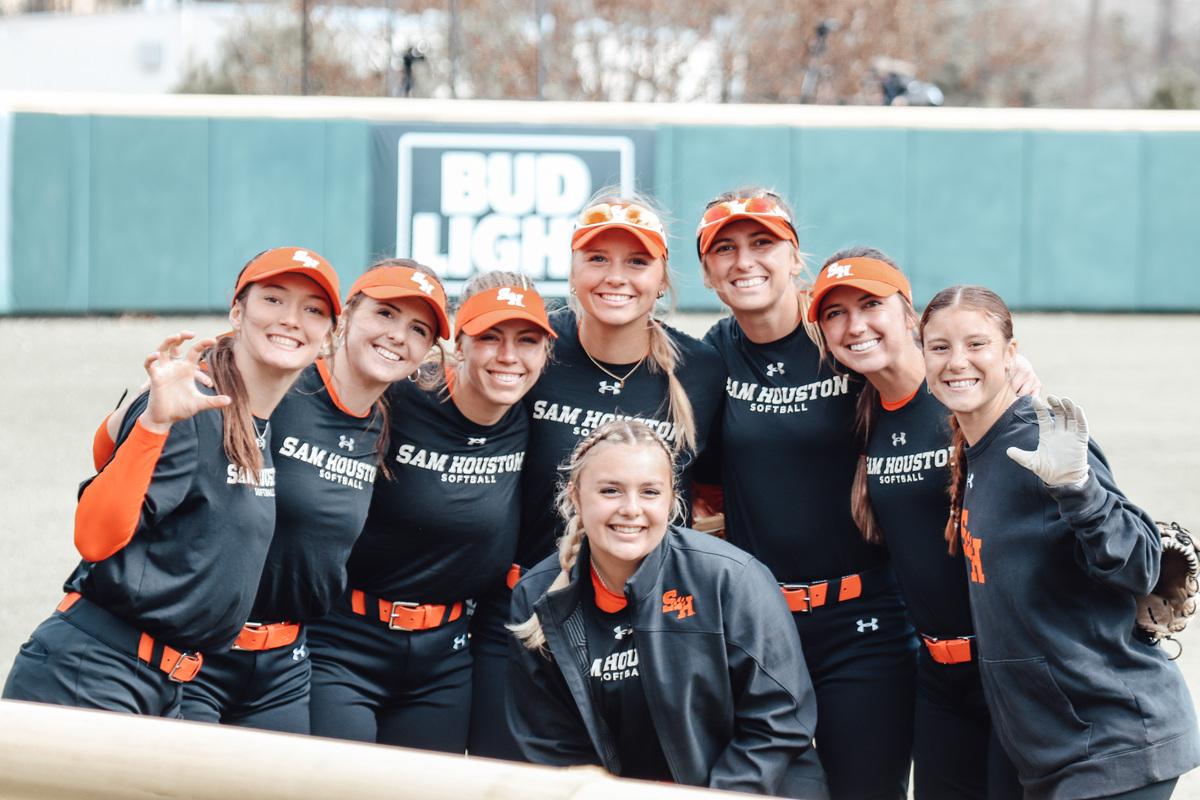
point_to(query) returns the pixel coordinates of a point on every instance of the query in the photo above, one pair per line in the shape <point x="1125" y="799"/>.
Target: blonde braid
<point x="617" y="431"/>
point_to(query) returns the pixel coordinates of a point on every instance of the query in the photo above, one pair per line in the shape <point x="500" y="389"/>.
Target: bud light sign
<point x="473" y="202"/>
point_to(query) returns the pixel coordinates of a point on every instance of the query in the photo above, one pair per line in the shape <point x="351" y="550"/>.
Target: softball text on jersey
<point x="909" y="467"/>
<point x="786" y="399"/>
<point x="331" y="466"/>
<point x="459" y="468"/>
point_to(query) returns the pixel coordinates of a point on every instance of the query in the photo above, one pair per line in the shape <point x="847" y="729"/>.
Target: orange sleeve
<point x="111" y="505"/>
<point x="102" y="445"/>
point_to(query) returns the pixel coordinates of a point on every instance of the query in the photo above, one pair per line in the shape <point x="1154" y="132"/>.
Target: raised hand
<point x="1024" y="380"/>
<point x="173" y="392"/>
<point x="1061" y="455"/>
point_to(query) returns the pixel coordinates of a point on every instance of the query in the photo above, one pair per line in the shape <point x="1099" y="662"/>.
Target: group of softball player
<point x="364" y="519"/>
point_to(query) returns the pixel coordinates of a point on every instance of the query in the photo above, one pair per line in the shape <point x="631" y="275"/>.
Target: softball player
<point x="633" y="620"/>
<point x="788" y="454"/>
<point x="174" y="529"/>
<point x="863" y="303"/>
<point x="324" y="445"/>
<point x="614" y="359"/>
<point x="391" y="662"/>
<point x="1055" y="557"/>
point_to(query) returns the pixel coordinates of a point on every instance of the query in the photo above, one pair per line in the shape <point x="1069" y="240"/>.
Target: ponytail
<point x="664" y="357"/>
<point x="958" y="484"/>
<point x="240" y="438"/>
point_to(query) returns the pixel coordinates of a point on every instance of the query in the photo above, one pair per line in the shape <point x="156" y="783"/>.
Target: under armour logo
<point x="300" y="652"/>
<point x="459" y="642"/>
<point x="775" y="369"/>
<point x="345" y="442"/>
<point x="867" y="625"/>
<point x="898" y="439"/>
<point x="420" y="279"/>
<point x="840" y="270"/>
<point x="304" y="258"/>
<point x="512" y="298"/>
<point x="621" y="631"/>
<point x="970" y="480"/>
<point x="476" y="440"/>
<point x="609" y="388"/>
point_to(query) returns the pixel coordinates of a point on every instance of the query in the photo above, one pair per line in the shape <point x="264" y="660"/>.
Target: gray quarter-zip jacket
<point x="719" y="660"/>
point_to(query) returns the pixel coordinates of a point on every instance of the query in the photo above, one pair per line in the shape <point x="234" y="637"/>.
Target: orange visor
<point x="638" y="220"/>
<point x="396" y="283"/>
<point x="869" y="274"/>
<point x="766" y="210"/>
<point x="282" y="260"/>
<point x="493" y="306"/>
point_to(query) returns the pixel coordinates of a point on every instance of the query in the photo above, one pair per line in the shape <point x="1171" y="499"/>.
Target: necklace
<point x="620" y="379"/>
<point x="260" y="437"/>
<point x="603" y="582"/>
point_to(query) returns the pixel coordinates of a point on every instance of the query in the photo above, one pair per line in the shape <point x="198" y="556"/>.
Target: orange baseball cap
<point x="638" y="220"/>
<point x="395" y="283"/>
<point x="869" y="274"/>
<point x="765" y="209"/>
<point x="493" y="306"/>
<point x="280" y="260"/>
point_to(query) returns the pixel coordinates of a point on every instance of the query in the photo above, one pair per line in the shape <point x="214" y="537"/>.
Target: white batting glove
<point x="1061" y="455"/>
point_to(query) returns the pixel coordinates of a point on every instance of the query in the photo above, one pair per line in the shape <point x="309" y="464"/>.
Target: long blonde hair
<point x="664" y="353"/>
<point x="616" y="432"/>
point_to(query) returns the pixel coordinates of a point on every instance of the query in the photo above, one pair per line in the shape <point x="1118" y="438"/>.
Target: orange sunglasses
<point x="767" y="209"/>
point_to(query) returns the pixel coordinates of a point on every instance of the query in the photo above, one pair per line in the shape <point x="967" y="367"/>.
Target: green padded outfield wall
<point x="135" y="212"/>
<point x="118" y="213"/>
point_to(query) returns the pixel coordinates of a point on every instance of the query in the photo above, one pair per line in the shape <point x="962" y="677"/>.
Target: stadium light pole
<point x="305" y="46"/>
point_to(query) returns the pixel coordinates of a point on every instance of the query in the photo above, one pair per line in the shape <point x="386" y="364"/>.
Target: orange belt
<point x="804" y="597"/>
<point x="180" y="667"/>
<point x="949" y="651"/>
<point x="514" y="575"/>
<point x="405" y="616"/>
<point x="259" y="636"/>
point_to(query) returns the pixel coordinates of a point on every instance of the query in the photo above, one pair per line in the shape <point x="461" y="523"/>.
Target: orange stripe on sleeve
<point x="111" y="505"/>
<point x="102" y="445"/>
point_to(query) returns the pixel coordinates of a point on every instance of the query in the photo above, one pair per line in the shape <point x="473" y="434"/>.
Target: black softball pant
<point x="264" y="689"/>
<point x="490" y="736"/>
<point x="955" y="753"/>
<point x="86" y="657"/>
<point x="374" y="684"/>
<point x="861" y="655"/>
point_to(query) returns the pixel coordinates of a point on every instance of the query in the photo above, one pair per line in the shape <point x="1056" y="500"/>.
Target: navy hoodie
<point x="1082" y="704"/>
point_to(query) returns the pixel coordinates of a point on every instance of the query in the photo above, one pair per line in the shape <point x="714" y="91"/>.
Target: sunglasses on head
<point x="601" y="213"/>
<point x="767" y="205"/>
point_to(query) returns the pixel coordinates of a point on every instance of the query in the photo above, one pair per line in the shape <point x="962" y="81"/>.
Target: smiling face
<point x="616" y="280"/>
<point x="385" y="340"/>
<point x="623" y="495"/>
<point x="283" y="322"/>
<point x="750" y="268"/>
<point x="967" y="358"/>
<point x="865" y="332"/>
<point x="500" y="364"/>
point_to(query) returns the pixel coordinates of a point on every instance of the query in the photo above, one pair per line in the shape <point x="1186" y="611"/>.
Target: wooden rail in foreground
<point x="54" y="752"/>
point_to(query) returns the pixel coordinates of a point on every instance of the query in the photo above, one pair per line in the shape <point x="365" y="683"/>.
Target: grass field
<point x="1136" y="376"/>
